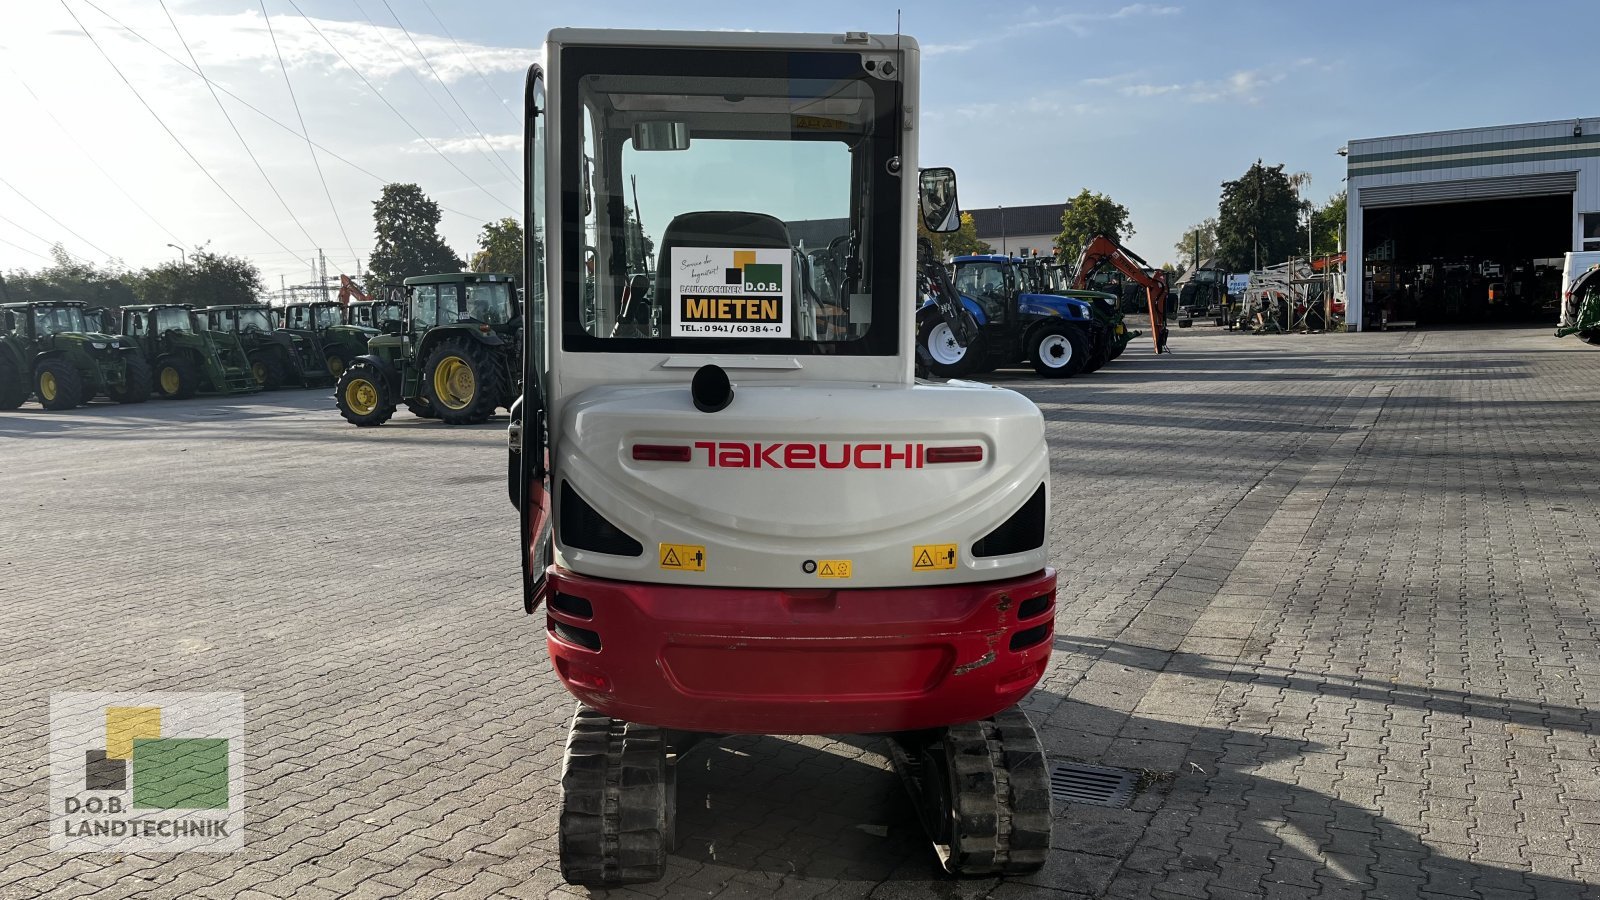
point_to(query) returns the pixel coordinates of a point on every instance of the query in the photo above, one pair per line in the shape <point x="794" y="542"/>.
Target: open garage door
<point x="1480" y="251"/>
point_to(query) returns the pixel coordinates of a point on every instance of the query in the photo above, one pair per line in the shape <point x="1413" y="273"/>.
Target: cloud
<point x="1245" y="85"/>
<point x="472" y="144"/>
<point x="1079" y="23"/>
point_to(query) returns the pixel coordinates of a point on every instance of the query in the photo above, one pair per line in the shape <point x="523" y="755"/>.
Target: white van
<point x="1575" y="265"/>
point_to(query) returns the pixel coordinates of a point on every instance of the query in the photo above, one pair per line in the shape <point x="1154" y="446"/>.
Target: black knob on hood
<point x="711" y="389"/>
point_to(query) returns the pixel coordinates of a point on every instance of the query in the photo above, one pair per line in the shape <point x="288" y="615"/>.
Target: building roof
<point x="995" y="221"/>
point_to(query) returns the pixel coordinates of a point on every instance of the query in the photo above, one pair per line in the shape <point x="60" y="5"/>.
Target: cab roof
<point x="458" y="278"/>
<point x="146" y="307"/>
<point x="24" y="304"/>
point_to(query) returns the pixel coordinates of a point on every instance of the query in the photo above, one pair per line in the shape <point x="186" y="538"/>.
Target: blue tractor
<point x="1013" y="321"/>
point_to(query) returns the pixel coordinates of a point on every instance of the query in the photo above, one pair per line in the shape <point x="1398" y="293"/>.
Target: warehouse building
<point x="1460" y="227"/>
<point x="1019" y="230"/>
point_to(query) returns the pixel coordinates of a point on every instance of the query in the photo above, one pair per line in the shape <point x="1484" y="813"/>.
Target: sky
<point x="1154" y="104"/>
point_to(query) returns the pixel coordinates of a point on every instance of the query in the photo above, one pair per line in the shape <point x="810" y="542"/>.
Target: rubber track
<point x="1000" y="820"/>
<point x="614" y="812"/>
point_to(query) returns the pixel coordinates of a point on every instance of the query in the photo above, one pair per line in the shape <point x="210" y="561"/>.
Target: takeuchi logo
<point x="145" y="772"/>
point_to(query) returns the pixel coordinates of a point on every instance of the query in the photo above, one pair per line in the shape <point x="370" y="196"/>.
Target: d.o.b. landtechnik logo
<point x="148" y="772"/>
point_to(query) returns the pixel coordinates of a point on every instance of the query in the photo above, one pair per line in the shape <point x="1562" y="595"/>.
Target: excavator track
<point x="983" y="793"/>
<point x="617" y="802"/>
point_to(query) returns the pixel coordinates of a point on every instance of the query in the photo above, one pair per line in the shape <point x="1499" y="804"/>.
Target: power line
<point x="399" y="57"/>
<point x="248" y="105"/>
<point x="163" y="124"/>
<point x="23" y="249"/>
<point x="39" y="237"/>
<point x="337" y="52"/>
<point x="314" y="161"/>
<point x="89" y="156"/>
<point x="515" y="179"/>
<point x="47" y="215"/>
<point x="503" y="104"/>
<point x="224" y="111"/>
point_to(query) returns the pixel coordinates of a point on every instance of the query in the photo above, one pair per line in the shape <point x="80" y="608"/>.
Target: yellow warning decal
<point x="683" y="557"/>
<point x="833" y="568"/>
<point x="933" y="557"/>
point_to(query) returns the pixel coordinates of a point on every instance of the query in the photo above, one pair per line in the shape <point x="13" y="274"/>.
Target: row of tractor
<point x="65" y="353"/>
<point x="1034" y="311"/>
<point x="447" y="347"/>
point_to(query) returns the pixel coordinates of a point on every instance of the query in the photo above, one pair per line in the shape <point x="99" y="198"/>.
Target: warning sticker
<point x="683" y="557"/>
<point x="833" y="568"/>
<point x="933" y="557"/>
<point x="726" y="292"/>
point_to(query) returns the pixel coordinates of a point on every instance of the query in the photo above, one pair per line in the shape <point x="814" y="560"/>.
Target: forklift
<point x="740" y="511"/>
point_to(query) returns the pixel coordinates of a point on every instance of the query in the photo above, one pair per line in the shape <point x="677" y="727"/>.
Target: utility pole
<point x="322" y="273"/>
<point x="283" y="290"/>
<point x="1003" y="231"/>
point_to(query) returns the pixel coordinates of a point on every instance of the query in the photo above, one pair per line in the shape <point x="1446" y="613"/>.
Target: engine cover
<point x="811" y="484"/>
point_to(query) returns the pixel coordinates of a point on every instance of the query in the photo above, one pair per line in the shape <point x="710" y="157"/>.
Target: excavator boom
<point x="1102" y="250"/>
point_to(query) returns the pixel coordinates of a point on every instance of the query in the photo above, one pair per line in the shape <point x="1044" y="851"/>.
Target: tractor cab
<point x="278" y="358"/>
<point x="185" y="354"/>
<point x="322" y="326"/>
<point x="740" y="509"/>
<point x="57" y="352"/>
<point x="373" y="313"/>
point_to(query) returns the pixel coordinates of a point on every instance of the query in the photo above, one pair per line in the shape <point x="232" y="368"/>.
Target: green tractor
<point x="373" y="313"/>
<point x="454" y="356"/>
<point x="277" y="357"/>
<point x="322" y="326"/>
<point x="188" y="359"/>
<point x="49" y="350"/>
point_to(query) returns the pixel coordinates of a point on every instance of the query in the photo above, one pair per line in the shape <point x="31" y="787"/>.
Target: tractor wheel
<point x="58" y="384"/>
<point x="267" y="369"/>
<point x="1058" y="350"/>
<point x="462" y="382"/>
<point x="364" y="395"/>
<point x="336" y="362"/>
<point x="421" y="408"/>
<point x="176" y="378"/>
<point x="13" y="387"/>
<point x="946" y="358"/>
<point x="136" y="380"/>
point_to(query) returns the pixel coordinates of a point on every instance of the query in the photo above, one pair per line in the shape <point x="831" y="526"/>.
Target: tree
<point x="963" y="242"/>
<point x="1205" y="234"/>
<point x="499" y="247"/>
<point x="1327" y="224"/>
<point x="205" y="278"/>
<point x="1258" y="220"/>
<point x="69" y="278"/>
<point x="406" y="224"/>
<point x="1087" y="215"/>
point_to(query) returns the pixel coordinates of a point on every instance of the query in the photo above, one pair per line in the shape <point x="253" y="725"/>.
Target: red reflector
<point x="661" y="452"/>
<point x="955" y="454"/>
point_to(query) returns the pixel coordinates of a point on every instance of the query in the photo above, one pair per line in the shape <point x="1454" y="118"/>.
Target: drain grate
<point x="1072" y="782"/>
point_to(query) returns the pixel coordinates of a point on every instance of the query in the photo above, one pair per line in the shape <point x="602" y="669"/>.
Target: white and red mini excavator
<point x="742" y="513"/>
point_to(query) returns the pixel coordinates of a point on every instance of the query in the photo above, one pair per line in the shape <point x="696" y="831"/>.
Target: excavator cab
<point x="740" y="511"/>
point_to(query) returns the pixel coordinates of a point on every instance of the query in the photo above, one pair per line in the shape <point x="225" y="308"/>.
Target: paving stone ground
<point x="1336" y="597"/>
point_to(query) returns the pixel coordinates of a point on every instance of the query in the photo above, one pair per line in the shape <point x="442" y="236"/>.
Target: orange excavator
<point x="349" y="290"/>
<point x="1102" y="250"/>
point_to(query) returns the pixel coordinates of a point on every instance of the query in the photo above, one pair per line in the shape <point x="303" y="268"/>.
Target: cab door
<point x="528" y="472"/>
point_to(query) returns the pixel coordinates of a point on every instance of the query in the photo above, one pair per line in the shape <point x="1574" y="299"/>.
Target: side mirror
<point x="941" y="213"/>
<point x="10" y="322"/>
<point x="661" y="136"/>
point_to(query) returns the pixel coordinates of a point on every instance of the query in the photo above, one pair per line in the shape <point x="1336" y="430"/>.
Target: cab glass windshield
<point x="489" y="302"/>
<point x="731" y="199"/>
<point x="50" y="320"/>
<point x="325" y="316"/>
<point x="985" y="279"/>
<point x="173" y="318"/>
<point x="253" y="320"/>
